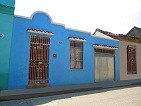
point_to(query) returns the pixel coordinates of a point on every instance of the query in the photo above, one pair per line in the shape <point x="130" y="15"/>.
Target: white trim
<point x="77" y="39"/>
<point x="55" y="23"/>
<point x="36" y="12"/>
<point x="104" y="47"/>
<point x="39" y="32"/>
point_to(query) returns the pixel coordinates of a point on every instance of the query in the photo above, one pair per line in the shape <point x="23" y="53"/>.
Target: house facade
<point x="44" y="53"/>
<point x="6" y="24"/>
<point x="130" y="67"/>
<point x="130" y="50"/>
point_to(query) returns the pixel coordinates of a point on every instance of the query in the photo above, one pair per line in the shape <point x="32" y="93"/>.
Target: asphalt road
<point x="123" y="96"/>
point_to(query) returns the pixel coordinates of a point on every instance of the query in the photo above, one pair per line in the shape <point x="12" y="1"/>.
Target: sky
<point x="116" y="16"/>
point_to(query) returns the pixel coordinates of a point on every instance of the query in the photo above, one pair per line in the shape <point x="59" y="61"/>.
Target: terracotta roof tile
<point x="76" y="38"/>
<point x="105" y="46"/>
<point x="40" y="31"/>
<point x="121" y="37"/>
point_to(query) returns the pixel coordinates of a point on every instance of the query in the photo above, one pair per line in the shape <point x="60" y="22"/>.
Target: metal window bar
<point x="39" y="53"/>
<point x="76" y="55"/>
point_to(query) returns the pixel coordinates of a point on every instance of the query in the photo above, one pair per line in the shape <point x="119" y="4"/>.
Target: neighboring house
<point x="44" y="53"/>
<point x="130" y="64"/>
<point x="130" y="50"/>
<point x="6" y="23"/>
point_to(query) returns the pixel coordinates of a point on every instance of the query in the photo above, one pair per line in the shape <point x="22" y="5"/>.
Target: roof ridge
<point x="121" y="37"/>
<point x="137" y="27"/>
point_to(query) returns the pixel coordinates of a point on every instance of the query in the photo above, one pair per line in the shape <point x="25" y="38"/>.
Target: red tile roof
<point x="120" y="37"/>
<point x="76" y="38"/>
<point x="39" y="31"/>
<point x="105" y="46"/>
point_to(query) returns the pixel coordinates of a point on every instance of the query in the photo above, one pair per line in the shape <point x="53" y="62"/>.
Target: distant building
<point x="135" y="31"/>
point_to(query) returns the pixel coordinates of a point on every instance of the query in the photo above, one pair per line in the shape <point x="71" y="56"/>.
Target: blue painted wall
<point x="6" y="25"/>
<point x="59" y="68"/>
<point x="10" y="3"/>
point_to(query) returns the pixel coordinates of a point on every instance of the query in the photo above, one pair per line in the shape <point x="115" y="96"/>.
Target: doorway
<point x="104" y="65"/>
<point x="39" y="61"/>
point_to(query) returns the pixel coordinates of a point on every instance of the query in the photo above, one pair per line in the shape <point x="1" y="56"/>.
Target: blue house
<point x="44" y="53"/>
<point x="6" y="24"/>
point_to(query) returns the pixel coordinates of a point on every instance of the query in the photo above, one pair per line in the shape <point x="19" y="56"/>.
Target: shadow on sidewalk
<point x="47" y="99"/>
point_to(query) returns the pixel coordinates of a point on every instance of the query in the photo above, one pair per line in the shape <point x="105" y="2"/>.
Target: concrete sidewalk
<point x="38" y="92"/>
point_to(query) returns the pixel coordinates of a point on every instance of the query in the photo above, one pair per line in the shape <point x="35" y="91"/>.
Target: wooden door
<point x="104" y="68"/>
<point x="39" y="60"/>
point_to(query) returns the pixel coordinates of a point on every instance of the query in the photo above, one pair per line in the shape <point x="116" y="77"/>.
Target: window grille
<point x="76" y="55"/>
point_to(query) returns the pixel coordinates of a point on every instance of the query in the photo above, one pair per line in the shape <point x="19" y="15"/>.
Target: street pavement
<point x="121" y="96"/>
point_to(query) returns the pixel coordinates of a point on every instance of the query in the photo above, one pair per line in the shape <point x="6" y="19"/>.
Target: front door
<point x="104" y="65"/>
<point x="39" y="61"/>
<point x="104" y="68"/>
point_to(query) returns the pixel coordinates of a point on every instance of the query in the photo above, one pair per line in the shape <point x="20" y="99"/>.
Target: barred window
<point x="76" y="55"/>
<point x="131" y="60"/>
